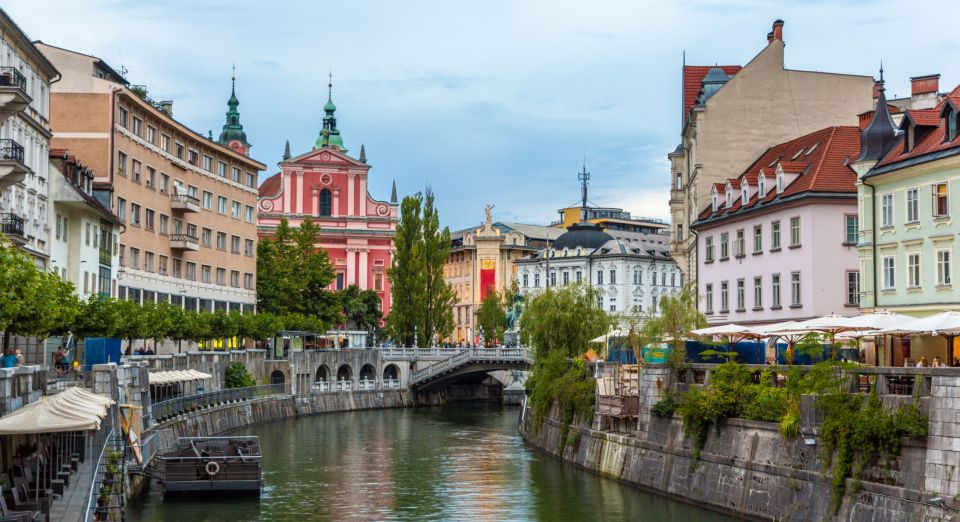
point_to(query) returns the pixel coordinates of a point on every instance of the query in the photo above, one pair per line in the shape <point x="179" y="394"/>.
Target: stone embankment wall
<point x="749" y="469"/>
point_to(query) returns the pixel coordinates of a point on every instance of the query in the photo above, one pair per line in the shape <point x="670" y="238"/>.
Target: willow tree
<point x="563" y="319"/>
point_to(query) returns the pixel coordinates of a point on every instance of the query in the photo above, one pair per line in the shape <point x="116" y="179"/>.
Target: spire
<point x="393" y="193"/>
<point x="879" y="135"/>
<point x="286" y="151"/>
<point x="329" y="135"/>
<point x="584" y="178"/>
<point x="232" y="134"/>
<point x="363" y="154"/>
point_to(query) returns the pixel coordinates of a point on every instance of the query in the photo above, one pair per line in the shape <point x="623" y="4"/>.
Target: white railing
<point x="344" y="385"/>
<point x="322" y="386"/>
<point x="464" y="356"/>
<point x="391" y="384"/>
<point x="368" y="384"/>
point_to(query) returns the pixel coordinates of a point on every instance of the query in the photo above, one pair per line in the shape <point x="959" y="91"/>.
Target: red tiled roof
<point x="823" y="169"/>
<point x="269" y="186"/>
<point x="692" y="77"/>
<point x="734" y="183"/>
<point x="933" y="141"/>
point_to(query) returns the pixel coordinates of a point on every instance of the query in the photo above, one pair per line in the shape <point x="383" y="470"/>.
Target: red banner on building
<point x="488" y="277"/>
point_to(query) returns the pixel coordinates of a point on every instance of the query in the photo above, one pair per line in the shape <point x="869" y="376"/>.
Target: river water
<point x="450" y="463"/>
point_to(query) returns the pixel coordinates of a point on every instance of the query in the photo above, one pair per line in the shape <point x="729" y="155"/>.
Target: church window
<point x="325" y="204"/>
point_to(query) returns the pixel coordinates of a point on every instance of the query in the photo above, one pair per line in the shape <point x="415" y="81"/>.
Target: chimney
<point x="778" y="30"/>
<point x="167" y="107"/>
<point x="925" y="84"/>
<point x="770" y="37"/>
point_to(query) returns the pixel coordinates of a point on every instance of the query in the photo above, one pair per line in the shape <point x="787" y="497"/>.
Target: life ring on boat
<point x="212" y="468"/>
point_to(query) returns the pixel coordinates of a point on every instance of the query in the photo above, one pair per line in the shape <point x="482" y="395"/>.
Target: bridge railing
<point x="480" y="354"/>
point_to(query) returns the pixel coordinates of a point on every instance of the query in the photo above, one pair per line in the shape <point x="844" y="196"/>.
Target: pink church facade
<point x="330" y="187"/>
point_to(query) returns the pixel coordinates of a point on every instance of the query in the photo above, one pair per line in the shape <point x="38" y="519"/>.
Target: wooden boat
<point x="208" y="464"/>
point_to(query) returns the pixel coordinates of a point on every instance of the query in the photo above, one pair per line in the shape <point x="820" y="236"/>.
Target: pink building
<point x="330" y="187"/>
<point x="779" y="242"/>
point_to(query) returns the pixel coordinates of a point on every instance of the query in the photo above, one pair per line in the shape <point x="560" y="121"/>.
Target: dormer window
<point x="779" y="182"/>
<point x="951" y="124"/>
<point x="729" y="197"/>
<point x="714" y="202"/>
<point x="763" y="186"/>
<point x="743" y="195"/>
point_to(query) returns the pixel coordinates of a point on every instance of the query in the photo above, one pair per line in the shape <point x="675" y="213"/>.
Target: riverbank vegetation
<point x="558" y="323"/>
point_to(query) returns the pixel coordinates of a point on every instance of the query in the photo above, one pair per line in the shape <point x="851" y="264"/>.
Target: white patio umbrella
<point x="732" y="333"/>
<point x="944" y="324"/>
<point x="875" y="321"/>
<point x="613" y="333"/>
<point x="790" y="331"/>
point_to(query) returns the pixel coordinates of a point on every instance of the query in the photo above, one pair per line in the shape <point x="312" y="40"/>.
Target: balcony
<point x="12" y="168"/>
<point x="12" y="226"/>
<point x="179" y="241"/>
<point x="106" y="257"/>
<point x="184" y="203"/>
<point x="13" y="92"/>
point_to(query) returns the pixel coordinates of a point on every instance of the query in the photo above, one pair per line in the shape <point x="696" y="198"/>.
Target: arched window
<point x="326" y="207"/>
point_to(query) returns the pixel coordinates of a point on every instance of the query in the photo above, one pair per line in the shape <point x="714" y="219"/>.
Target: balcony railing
<point x="11" y="150"/>
<point x="185" y="202"/>
<point x="184" y="241"/>
<point x="11" y="77"/>
<point x="11" y="224"/>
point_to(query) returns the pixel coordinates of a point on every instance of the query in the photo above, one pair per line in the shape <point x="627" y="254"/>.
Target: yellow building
<point x="482" y="261"/>
<point x="611" y="219"/>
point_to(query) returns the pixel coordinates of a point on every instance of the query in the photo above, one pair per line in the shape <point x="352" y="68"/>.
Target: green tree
<point x="563" y="319"/>
<point x="133" y="322"/>
<point x="361" y="308"/>
<point x="407" y="274"/>
<point x="237" y="376"/>
<point x="492" y="316"/>
<point x="99" y="317"/>
<point x="293" y="275"/>
<point x="439" y="296"/>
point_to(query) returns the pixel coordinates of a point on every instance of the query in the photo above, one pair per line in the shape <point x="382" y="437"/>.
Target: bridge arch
<point x="323" y="374"/>
<point x="368" y="373"/>
<point x="277" y="377"/>
<point x="344" y="373"/>
<point x="391" y="372"/>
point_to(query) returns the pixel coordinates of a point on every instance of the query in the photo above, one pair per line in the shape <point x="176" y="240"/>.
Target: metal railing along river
<point x="179" y="405"/>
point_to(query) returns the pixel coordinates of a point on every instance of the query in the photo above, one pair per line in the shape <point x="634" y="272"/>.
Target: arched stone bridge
<point x="467" y="362"/>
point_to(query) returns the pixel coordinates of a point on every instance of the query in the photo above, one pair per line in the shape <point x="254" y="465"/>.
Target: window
<point x="708" y="298"/>
<point x="795" y="289"/>
<point x="913" y="270"/>
<point x="794" y="231"/>
<point x="86" y="240"/>
<point x="757" y="239"/>
<point x="599" y="277"/>
<point x="136" y="171"/>
<point x="235" y="174"/>
<point x="222" y="169"/>
<point x="886" y="210"/>
<point x="579" y="276"/>
<point x="137" y="124"/>
<point x="235" y="279"/>
<point x="165" y="142"/>
<point x="708" y="244"/>
<point x="679" y="184"/>
<point x="207" y="200"/>
<point x="941" y="201"/>
<point x="122" y="209"/>
<point x="207" y="163"/>
<point x="135" y="214"/>
<point x="613" y="276"/>
<point x="679" y="232"/>
<point x="235" y="244"/>
<point x="943" y="267"/>
<point x="553" y="278"/>
<point x="251" y="180"/>
<point x="775" y="290"/>
<point x="741" y="305"/>
<point x="152" y="135"/>
<point x="121" y="163"/>
<point x="740" y="246"/>
<point x="134" y="257"/>
<point x="164" y="183"/>
<point x="526" y="280"/>
<point x="248" y="214"/>
<point x="248" y="281"/>
<point x="889" y="273"/>
<point x="951" y="118"/>
<point x="149" y="219"/>
<point x="763" y="186"/>
<point x="724" y="298"/>
<point x="340" y="280"/>
<point x="852" y="225"/>
<point x="221" y="204"/>
<point x="180" y="149"/>
<point x="206" y="237"/>
<point x="325" y="203"/>
<point x="566" y="278"/>
<point x="205" y="273"/>
<point x="122" y="117"/>
<point x="913" y="211"/>
<point x="164" y="223"/>
<point x="177" y="268"/>
<point x="637" y="276"/>
<point x="775" y="235"/>
<point x="536" y="280"/>
<point x="853" y="288"/>
<point x="191" y="270"/>
<point x="757" y="292"/>
<point x="221" y="240"/>
<point x="163" y="265"/>
<point x="148" y="261"/>
<point x="724" y="246"/>
<point x="235" y="209"/>
<point x="248" y="248"/>
<point x="151" y="177"/>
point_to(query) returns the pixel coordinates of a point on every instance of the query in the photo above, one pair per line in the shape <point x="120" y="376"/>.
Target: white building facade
<point x="25" y="77"/>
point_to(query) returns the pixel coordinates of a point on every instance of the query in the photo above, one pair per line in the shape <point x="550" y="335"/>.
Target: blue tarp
<point x="748" y="352"/>
<point x="619" y="352"/>
<point x="100" y="350"/>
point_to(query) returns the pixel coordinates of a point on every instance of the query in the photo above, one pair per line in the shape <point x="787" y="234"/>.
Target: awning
<point x="74" y="409"/>
<point x="175" y="376"/>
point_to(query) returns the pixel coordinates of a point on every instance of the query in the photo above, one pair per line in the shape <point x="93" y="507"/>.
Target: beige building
<point x="732" y="114"/>
<point x="187" y="202"/>
<point x="482" y="261"/>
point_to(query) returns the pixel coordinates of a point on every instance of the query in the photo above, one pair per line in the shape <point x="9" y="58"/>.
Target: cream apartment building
<point x="186" y="203"/>
<point x="732" y="114"/>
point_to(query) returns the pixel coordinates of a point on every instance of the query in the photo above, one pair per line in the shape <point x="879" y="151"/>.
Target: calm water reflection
<point x="451" y="463"/>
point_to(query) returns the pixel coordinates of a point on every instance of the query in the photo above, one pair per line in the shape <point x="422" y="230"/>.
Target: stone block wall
<point x="20" y="386"/>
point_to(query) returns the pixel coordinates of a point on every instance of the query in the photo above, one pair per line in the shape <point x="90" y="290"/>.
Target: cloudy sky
<point x="486" y="102"/>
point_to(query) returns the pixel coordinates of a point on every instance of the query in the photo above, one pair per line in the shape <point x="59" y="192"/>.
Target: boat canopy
<point x="74" y="409"/>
